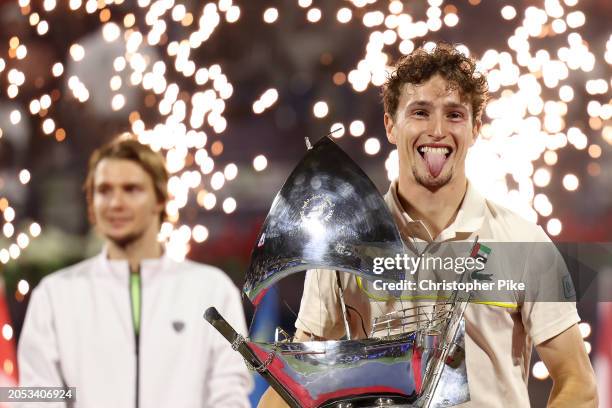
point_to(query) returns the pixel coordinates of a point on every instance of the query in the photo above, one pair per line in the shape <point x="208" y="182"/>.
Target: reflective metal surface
<point x="365" y="373"/>
<point x="328" y="214"/>
<point x="319" y="372"/>
<point x="453" y="382"/>
<point x="425" y="318"/>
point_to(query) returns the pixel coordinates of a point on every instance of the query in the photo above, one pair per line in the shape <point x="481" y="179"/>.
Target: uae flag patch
<point x="481" y="252"/>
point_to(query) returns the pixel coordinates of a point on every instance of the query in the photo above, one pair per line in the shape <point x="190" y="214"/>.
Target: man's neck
<point x="436" y="209"/>
<point x="135" y="252"/>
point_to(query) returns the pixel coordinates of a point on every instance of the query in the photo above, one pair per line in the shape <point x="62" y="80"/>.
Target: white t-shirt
<point x="499" y="336"/>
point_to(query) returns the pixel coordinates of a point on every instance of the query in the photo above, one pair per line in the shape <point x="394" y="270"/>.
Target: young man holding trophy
<point x="433" y="105"/>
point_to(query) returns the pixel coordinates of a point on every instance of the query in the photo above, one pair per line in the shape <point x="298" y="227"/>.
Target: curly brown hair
<point x="420" y="65"/>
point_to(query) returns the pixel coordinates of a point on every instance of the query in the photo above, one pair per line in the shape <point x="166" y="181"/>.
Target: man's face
<point x="125" y="206"/>
<point x="433" y="129"/>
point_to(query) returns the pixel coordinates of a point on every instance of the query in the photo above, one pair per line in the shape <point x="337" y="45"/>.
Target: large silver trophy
<point x="329" y="215"/>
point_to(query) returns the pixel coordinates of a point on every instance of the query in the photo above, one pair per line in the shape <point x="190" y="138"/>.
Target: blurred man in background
<point x="125" y="327"/>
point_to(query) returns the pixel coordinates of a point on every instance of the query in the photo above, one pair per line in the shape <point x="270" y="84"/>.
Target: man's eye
<point x="420" y="113"/>
<point x="455" y="115"/>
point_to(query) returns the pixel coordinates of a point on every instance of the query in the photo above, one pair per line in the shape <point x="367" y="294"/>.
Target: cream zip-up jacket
<point x="78" y="332"/>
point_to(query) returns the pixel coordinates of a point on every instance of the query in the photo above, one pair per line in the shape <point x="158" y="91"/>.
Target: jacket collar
<point x="119" y="268"/>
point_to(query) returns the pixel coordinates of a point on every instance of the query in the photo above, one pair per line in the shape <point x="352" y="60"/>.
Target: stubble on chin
<point x="429" y="182"/>
<point x="125" y="240"/>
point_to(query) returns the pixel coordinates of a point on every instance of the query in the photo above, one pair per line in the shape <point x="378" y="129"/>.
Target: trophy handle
<point x="239" y="344"/>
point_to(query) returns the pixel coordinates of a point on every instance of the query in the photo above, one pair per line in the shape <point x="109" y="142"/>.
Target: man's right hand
<point x="271" y="399"/>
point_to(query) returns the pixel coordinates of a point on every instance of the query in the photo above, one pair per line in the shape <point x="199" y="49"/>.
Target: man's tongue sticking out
<point x="435" y="162"/>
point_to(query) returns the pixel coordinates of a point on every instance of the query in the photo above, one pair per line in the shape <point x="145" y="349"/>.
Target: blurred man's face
<point x="124" y="203"/>
<point x="433" y="129"/>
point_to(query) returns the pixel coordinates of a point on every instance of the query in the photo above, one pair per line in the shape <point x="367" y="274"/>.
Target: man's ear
<point x="476" y="131"/>
<point x="389" y="128"/>
<point x="160" y="207"/>
<point x="91" y="215"/>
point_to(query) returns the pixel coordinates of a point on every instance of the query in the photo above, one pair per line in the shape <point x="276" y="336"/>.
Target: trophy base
<point x="367" y="373"/>
<point x="371" y="401"/>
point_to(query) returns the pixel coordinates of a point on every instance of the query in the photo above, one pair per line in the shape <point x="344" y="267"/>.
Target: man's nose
<point x="436" y="127"/>
<point x="117" y="199"/>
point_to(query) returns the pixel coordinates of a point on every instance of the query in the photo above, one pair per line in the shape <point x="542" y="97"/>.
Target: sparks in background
<point x="526" y="125"/>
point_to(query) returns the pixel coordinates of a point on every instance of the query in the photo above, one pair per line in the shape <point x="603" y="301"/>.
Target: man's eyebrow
<point x="427" y="104"/>
<point x="454" y="105"/>
<point x="130" y="184"/>
<point x="420" y="103"/>
<point x="123" y="185"/>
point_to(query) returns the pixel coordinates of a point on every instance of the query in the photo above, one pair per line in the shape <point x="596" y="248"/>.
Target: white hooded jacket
<point x="79" y="332"/>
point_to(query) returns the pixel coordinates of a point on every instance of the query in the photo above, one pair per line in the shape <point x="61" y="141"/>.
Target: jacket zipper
<point x="136" y="334"/>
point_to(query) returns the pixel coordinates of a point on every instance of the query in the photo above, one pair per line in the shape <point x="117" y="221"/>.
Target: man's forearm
<point x="569" y="366"/>
<point x="574" y="392"/>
